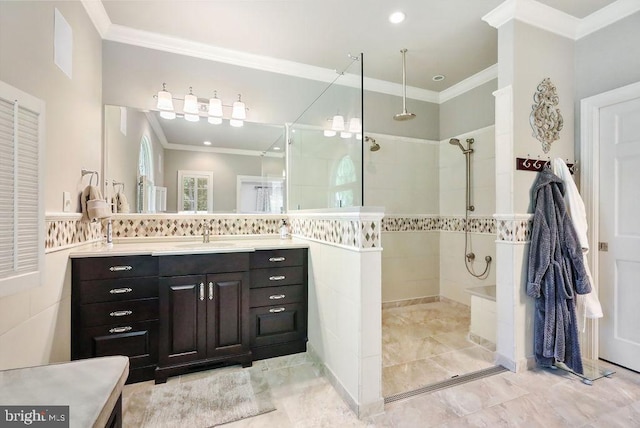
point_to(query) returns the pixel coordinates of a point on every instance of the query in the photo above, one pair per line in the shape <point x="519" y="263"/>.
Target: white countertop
<point x="89" y="387"/>
<point x="164" y="247"/>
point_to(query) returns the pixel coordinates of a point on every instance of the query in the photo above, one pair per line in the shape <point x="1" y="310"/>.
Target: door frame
<point x="590" y="185"/>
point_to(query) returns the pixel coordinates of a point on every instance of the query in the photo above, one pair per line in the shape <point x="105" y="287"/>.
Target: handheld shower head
<point x="456" y="142"/>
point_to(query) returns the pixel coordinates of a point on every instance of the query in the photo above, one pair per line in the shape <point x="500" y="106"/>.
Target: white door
<point x="619" y="228"/>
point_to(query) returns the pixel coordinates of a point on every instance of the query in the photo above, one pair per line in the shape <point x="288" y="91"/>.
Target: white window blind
<point x="21" y="208"/>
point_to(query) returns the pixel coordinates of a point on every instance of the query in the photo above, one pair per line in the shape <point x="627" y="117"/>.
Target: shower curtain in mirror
<point x="263" y="199"/>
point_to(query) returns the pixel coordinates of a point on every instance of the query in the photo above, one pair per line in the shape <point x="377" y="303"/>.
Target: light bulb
<point x="239" y="111"/>
<point x="236" y="123"/>
<point x="214" y="120"/>
<point x="168" y="114"/>
<point x="191" y="117"/>
<point x="329" y="133"/>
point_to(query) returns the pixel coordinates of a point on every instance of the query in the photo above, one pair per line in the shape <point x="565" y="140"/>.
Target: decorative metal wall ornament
<point x="545" y="119"/>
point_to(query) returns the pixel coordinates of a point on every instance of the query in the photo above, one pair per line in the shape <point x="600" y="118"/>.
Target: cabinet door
<point x="227" y="312"/>
<point x="183" y="305"/>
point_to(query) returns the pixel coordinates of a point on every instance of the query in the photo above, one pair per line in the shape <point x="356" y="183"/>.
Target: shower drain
<point x="456" y="380"/>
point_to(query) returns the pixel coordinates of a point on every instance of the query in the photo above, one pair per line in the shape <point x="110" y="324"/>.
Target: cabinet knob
<point x="211" y="291"/>
<point x="120" y="290"/>
<point x="276" y="296"/>
<point x="277" y="259"/>
<point x="276" y="310"/>
<point x="120" y="313"/>
<point x="120" y="268"/>
<point x="202" y="291"/>
<point x="277" y="278"/>
<point x="120" y="329"/>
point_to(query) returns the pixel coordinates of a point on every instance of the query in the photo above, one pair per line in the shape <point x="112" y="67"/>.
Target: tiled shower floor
<point x="427" y="343"/>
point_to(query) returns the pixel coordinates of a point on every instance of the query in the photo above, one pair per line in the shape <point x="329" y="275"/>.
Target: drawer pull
<point x="276" y="296"/>
<point x="202" y="291"/>
<point x="121" y="290"/>
<point x="277" y="259"/>
<point x="277" y="278"/>
<point x="211" y="291"/>
<point x="276" y="310"/>
<point x="120" y="329"/>
<point x="120" y="313"/>
<point x="120" y="268"/>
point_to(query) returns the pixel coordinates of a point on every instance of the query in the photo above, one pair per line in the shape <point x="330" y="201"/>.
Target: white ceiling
<point x="442" y="36"/>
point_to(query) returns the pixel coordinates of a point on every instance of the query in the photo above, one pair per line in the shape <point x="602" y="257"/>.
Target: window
<point x="146" y="190"/>
<point x="345" y="178"/>
<point x="21" y="206"/>
<point x="195" y="192"/>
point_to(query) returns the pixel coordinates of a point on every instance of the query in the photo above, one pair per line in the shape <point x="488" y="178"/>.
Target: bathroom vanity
<point x="173" y="308"/>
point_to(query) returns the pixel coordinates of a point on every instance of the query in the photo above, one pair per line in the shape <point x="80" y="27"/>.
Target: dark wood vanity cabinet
<point x="278" y="304"/>
<point x="114" y="311"/>
<point x="176" y="313"/>
<point x="204" y="308"/>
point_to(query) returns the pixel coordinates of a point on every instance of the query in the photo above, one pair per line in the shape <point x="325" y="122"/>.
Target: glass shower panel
<point x="325" y="146"/>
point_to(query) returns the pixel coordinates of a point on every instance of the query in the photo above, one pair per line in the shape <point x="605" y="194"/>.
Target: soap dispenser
<point x="284" y="230"/>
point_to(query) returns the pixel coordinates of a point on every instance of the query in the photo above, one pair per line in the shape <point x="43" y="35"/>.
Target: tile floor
<point x="537" y="398"/>
<point x="427" y="343"/>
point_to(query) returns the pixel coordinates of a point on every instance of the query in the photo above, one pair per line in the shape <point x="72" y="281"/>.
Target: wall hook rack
<point x="529" y="164"/>
<point x="93" y="174"/>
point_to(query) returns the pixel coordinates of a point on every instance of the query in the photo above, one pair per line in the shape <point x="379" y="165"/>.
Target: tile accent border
<point x="349" y="229"/>
<point x="65" y="230"/>
<point x="514" y="228"/>
<point x="421" y="223"/>
<point x="69" y="230"/>
<point x="177" y="225"/>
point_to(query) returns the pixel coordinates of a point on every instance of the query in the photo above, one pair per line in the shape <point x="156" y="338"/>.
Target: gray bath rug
<point x="200" y="403"/>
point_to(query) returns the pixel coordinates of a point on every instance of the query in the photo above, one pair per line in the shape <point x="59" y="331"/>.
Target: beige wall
<point x="225" y="168"/>
<point x="34" y="326"/>
<point x="123" y="150"/>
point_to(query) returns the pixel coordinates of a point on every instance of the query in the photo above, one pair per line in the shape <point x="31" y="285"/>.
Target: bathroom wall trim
<point x="558" y="22"/>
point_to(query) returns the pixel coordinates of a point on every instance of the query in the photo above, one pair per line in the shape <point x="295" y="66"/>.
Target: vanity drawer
<point x="195" y="264"/>
<point x="274" y="325"/>
<point x="277" y="276"/>
<point x="270" y="296"/>
<point x="114" y="290"/>
<point x="114" y="267"/>
<point x="138" y="341"/>
<point x="114" y="313"/>
<point x="278" y="258"/>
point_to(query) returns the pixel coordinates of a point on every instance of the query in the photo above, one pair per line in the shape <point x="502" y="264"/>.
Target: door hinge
<point x="603" y="246"/>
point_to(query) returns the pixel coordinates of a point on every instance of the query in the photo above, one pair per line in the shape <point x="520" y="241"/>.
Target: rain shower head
<point x="374" y="146"/>
<point x="405" y="115"/>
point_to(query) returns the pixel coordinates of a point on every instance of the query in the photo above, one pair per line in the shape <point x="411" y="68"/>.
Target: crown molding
<point x="98" y="15"/>
<point x="606" y="16"/>
<point x="536" y="14"/>
<point x="155" y="125"/>
<point x="557" y="22"/>
<point x="222" y="150"/>
<point x="469" y="83"/>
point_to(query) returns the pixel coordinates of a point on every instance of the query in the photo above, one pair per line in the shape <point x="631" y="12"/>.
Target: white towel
<point x="93" y="205"/>
<point x="588" y="305"/>
<point x="121" y="203"/>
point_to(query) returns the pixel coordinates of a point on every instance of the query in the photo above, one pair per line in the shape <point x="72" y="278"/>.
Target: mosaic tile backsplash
<point x="350" y="232"/>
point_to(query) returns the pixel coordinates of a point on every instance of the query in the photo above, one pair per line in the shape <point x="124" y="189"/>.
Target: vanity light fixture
<point x="193" y="107"/>
<point x="338" y="125"/>
<point x="165" y="101"/>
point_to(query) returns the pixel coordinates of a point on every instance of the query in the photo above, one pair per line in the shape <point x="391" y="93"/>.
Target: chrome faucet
<point x="205" y="234"/>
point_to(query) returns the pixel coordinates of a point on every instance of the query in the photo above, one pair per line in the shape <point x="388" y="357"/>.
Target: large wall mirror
<point x="157" y="165"/>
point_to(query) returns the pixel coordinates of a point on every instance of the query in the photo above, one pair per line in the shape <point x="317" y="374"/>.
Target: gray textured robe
<point x="555" y="273"/>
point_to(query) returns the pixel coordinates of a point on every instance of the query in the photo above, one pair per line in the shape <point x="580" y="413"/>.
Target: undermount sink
<point x="212" y="244"/>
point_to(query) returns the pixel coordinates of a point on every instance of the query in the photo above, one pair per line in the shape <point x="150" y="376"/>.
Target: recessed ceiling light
<point x="438" y="78"/>
<point x="396" y="17"/>
<point x="276" y="148"/>
<point x="207" y="143"/>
